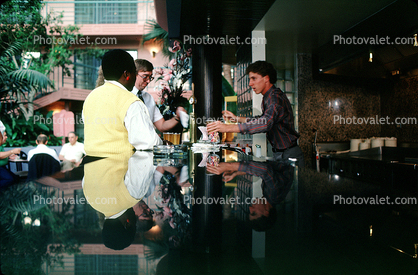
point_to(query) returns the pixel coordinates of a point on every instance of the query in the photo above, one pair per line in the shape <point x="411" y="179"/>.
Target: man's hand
<point x="216" y="126"/>
<point x="217" y="170"/>
<point x="180" y="109"/>
<point x="222" y="167"/>
<point x="229" y="116"/>
<point x="12" y="157"/>
<point x="16" y="151"/>
<point x="229" y="175"/>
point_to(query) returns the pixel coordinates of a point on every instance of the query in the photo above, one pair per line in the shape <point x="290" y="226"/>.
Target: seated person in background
<point x="72" y="152"/>
<point x="144" y="70"/>
<point x="5" y="156"/>
<point x="6" y="177"/>
<point x="41" y="148"/>
<point x="129" y="126"/>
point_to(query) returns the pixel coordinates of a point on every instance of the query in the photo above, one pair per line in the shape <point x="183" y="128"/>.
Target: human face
<point x="260" y="84"/>
<point x="142" y="211"/>
<point x="72" y="138"/>
<point x="259" y="209"/>
<point x="4" y="139"/>
<point x="143" y="79"/>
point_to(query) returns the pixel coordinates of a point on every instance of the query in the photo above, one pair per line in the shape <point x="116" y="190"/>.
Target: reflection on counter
<point x="239" y="216"/>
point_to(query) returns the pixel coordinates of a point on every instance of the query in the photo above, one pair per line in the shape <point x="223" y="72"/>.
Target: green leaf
<point x="43" y="127"/>
<point x="34" y="78"/>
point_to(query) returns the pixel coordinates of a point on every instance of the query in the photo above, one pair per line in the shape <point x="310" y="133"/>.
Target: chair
<point x="42" y="165"/>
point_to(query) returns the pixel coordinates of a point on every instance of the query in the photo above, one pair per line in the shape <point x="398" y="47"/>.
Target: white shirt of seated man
<point x="41" y="148"/>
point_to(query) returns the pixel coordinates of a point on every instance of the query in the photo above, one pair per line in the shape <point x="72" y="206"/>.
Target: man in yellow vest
<point x="115" y="120"/>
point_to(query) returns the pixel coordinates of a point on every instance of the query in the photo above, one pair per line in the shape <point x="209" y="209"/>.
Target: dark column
<point x="207" y="211"/>
<point x="207" y="79"/>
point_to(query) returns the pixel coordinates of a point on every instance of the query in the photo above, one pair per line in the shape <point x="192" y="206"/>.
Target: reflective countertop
<point x="205" y="213"/>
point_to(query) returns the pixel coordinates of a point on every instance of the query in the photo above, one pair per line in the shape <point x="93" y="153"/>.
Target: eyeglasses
<point x="147" y="214"/>
<point x="146" y="211"/>
<point x="145" y="77"/>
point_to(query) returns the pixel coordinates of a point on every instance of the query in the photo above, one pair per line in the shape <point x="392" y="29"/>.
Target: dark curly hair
<point x="263" y="68"/>
<point x="264" y="222"/>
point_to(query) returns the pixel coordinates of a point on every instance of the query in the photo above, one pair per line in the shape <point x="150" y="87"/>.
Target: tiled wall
<point x="401" y="101"/>
<point x="324" y="100"/>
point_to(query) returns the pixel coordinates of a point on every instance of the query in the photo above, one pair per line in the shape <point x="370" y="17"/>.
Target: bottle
<point x="248" y="150"/>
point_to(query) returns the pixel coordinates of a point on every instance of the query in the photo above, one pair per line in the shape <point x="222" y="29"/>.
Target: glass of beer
<point x="169" y="137"/>
<point x="176" y="138"/>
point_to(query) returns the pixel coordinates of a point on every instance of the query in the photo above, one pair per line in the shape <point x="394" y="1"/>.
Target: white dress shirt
<point x="71" y="152"/>
<point x="43" y="149"/>
<point x="153" y="111"/>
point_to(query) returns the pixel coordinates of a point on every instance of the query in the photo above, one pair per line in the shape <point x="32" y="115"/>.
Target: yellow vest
<point x="104" y="185"/>
<point x="104" y="111"/>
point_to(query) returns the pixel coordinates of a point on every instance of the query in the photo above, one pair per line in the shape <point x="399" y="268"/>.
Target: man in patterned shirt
<point x="276" y="120"/>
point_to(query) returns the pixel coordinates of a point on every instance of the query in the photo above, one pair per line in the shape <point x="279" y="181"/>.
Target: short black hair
<point x="264" y="222"/>
<point x="118" y="236"/>
<point x="143" y="65"/>
<point x="263" y="68"/>
<point x="115" y="62"/>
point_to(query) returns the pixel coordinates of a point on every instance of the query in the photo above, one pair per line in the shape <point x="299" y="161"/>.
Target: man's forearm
<point x="5" y="154"/>
<point x="230" y="128"/>
<point x="168" y="124"/>
<point x="242" y="119"/>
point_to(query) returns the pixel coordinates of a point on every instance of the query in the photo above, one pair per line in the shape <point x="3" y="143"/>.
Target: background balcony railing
<point x="82" y="77"/>
<point x="102" y="12"/>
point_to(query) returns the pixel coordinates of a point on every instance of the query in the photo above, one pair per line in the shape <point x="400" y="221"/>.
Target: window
<point x="106" y="12"/>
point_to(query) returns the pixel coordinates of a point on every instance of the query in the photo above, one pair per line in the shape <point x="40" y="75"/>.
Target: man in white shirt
<point x="144" y="70"/>
<point x="72" y="152"/>
<point x="116" y="121"/>
<point x="41" y="148"/>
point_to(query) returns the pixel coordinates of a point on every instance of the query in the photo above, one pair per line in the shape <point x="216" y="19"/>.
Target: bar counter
<point x="324" y="223"/>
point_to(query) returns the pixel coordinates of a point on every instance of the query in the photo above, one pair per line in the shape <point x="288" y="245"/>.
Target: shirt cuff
<point x="243" y="167"/>
<point x="243" y="128"/>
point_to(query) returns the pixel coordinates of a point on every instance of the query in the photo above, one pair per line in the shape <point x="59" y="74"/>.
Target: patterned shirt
<point x="277" y="120"/>
<point x="277" y="178"/>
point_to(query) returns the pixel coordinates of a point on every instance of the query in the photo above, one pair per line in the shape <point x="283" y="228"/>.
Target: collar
<point x="272" y="88"/>
<point x="135" y="91"/>
<point x="116" y="215"/>
<point x="114" y="82"/>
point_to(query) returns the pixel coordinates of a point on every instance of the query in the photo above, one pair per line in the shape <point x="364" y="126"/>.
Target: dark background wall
<point x="401" y="100"/>
<point x="324" y="98"/>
